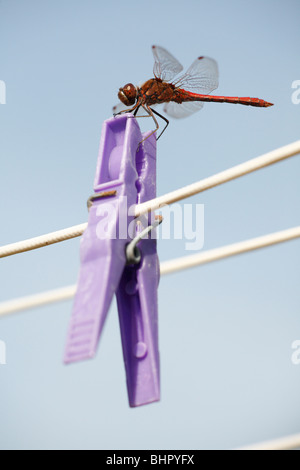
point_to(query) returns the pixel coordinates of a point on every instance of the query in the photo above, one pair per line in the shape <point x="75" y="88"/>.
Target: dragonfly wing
<point x="165" y="65"/>
<point x="202" y="77"/>
<point x="182" y="110"/>
<point x="119" y="107"/>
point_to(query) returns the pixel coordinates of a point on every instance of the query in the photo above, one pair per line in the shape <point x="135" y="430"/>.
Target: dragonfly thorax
<point x="128" y="94"/>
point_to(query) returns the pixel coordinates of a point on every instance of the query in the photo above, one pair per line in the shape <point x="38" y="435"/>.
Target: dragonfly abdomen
<point x="183" y="96"/>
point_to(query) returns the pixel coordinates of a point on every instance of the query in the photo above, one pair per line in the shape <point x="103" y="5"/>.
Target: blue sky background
<point x="226" y="328"/>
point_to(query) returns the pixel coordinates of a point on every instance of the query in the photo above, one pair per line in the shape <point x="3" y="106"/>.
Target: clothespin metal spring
<point x="98" y="196"/>
<point x="133" y="253"/>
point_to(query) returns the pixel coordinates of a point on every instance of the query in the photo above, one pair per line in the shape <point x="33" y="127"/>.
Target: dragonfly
<point x="182" y="95"/>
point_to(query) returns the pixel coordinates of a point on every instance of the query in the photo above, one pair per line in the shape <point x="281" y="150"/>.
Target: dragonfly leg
<point x="135" y="112"/>
<point x="165" y="119"/>
<point x="149" y="111"/>
<point x="135" y="107"/>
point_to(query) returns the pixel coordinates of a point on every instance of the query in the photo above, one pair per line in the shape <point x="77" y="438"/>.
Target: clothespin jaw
<point x="125" y="176"/>
<point x="137" y="298"/>
<point x="102" y="251"/>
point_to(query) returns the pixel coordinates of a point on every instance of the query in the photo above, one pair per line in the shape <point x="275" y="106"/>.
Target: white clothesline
<point x="254" y="164"/>
<point x="42" y="240"/>
<point x="167" y="267"/>
<point x="267" y="159"/>
<point x="283" y="443"/>
<point x="191" y="261"/>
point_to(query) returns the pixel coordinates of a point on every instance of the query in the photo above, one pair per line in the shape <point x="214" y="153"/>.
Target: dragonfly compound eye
<point x="127" y="94"/>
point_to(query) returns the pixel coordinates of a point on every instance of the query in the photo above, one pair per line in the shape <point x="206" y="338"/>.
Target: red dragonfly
<point x="183" y="95"/>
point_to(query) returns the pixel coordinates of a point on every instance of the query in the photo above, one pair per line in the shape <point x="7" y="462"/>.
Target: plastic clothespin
<point x="125" y="176"/>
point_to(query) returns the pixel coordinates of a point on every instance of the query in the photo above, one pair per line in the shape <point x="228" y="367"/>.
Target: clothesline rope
<point x="229" y="250"/>
<point x="237" y="171"/>
<point x="267" y="159"/>
<point x="283" y="443"/>
<point x="43" y="240"/>
<point x="167" y="267"/>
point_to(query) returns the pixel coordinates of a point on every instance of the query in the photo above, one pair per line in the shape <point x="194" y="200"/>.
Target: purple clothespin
<point x="125" y="176"/>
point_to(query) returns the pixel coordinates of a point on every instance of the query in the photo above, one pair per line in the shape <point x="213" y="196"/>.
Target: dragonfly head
<point x="128" y="94"/>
